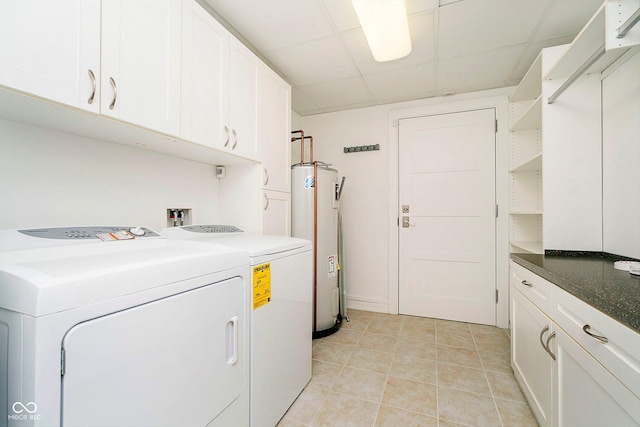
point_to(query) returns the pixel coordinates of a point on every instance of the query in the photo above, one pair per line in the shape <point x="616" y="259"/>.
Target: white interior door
<point x="447" y="216"/>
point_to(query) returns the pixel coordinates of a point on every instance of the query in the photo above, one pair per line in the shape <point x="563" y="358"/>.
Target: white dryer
<point x="140" y="331"/>
<point x="281" y="315"/>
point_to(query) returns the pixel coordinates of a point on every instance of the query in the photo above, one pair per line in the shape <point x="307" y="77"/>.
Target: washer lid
<point x="255" y="244"/>
<point x="47" y="279"/>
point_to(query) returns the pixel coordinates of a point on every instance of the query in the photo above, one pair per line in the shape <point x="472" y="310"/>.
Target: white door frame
<point x="500" y="103"/>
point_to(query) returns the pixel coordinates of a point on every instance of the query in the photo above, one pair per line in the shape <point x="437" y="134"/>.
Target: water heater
<point x="315" y="200"/>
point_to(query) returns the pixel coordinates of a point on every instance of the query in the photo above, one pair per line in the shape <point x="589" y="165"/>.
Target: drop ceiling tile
<point x="474" y="26"/>
<point x="314" y="62"/>
<point x="567" y="17"/>
<point x="343" y="93"/>
<point x="344" y="16"/>
<point x="300" y="103"/>
<point x="531" y="53"/>
<point x="418" y="6"/>
<point x="274" y="24"/>
<point x="485" y="70"/>
<point x="342" y="13"/>
<point x="422" y="40"/>
<point x="406" y="83"/>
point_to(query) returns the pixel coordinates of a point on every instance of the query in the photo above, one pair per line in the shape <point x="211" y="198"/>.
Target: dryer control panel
<point x="212" y="229"/>
<point x="90" y="232"/>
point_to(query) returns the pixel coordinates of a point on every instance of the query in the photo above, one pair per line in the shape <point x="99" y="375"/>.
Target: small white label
<point x="332" y="265"/>
<point x="118" y="235"/>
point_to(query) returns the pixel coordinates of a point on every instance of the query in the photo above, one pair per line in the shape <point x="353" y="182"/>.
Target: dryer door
<point x="174" y="361"/>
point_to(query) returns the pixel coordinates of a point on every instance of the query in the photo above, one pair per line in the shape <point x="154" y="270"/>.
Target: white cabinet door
<point x="243" y="100"/>
<point x="205" y="78"/>
<point x="532" y="365"/>
<point x="141" y="42"/>
<point x="275" y="131"/>
<point x="52" y="49"/>
<point x="587" y="393"/>
<point x="276" y="213"/>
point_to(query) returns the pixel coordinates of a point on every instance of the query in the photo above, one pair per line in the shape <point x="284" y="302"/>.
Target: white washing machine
<point x="142" y="331"/>
<point x="281" y="315"/>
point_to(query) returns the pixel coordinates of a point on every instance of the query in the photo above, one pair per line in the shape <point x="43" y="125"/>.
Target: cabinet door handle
<point x="235" y="139"/>
<point x="226" y="130"/>
<point x="266" y="174"/>
<point x="552" y="336"/>
<point x="93" y="83"/>
<point x="267" y="199"/>
<point x="587" y="328"/>
<point x="115" y="92"/>
<point x="542" y="332"/>
<point x="526" y="283"/>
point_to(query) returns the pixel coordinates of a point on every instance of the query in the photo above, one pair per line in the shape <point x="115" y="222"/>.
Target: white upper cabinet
<point x="220" y="79"/>
<point x="173" y="79"/>
<point x="52" y="50"/>
<point x="141" y="48"/>
<point x="205" y="77"/>
<point x="116" y="58"/>
<point x="275" y="131"/>
<point x="243" y="100"/>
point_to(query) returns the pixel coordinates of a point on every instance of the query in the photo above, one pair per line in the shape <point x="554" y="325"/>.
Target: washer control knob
<point x="137" y="231"/>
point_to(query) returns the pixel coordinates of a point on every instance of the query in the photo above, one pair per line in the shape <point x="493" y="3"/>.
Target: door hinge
<point x="496" y="125"/>
<point x="496" y="211"/>
<point x="62" y="361"/>
<point x="496" y="296"/>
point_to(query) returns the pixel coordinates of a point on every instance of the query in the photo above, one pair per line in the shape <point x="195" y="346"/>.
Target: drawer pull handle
<point x="587" y="328"/>
<point x="529" y="284"/>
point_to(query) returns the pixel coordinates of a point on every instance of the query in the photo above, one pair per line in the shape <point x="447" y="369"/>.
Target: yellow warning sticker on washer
<point x="261" y="285"/>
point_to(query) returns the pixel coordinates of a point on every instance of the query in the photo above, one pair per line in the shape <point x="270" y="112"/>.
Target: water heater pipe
<point x="301" y="139"/>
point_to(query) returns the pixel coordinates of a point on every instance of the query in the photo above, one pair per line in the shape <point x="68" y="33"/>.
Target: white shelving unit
<point x="600" y="31"/>
<point x="567" y="214"/>
<point x="526" y="107"/>
<point x="525" y="162"/>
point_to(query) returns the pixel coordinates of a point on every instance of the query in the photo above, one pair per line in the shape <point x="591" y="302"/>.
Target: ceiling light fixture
<point x="385" y="26"/>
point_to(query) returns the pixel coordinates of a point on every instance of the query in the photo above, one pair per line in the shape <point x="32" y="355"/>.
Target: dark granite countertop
<point x="591" y="278"/>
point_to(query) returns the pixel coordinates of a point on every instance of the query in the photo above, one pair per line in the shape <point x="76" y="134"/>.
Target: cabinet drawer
<point x="532" y="286"/>
<point x="620" y="354"/>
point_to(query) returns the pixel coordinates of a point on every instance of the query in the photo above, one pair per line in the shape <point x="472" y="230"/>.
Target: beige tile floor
<point x="395" y="370"/>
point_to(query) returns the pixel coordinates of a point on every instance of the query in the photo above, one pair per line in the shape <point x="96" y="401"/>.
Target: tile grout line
<point x="484" y="372"/>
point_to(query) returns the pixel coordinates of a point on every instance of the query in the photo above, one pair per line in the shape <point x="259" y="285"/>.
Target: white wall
<point x="365" y="197"/>
<point x="56" y="179"/>
<point x="365" y="203"/>
<point x="621" y="159"/>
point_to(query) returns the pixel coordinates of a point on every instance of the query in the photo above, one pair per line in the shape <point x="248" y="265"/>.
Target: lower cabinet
<point x="565" y="383"/>
<point x="531" y="362"/>
<point x="586" y="393"/>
